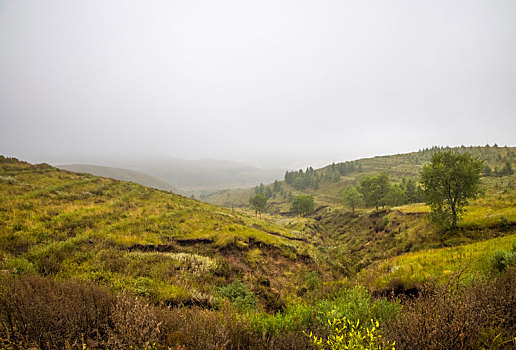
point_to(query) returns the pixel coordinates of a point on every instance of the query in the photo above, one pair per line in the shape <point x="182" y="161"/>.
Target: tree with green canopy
<point x="259" y="203"/>
<point x="351" y="197"/>
<point x="449" y="181"/>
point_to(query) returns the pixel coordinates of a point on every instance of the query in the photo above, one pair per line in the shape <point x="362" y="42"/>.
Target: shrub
<point x="239" y="295"/>
<point x="478" y="315"/>
<point x="144" y="286"/>
<point x="15" y="243"/>
<point x="504" y="223"/>
<point x="197" y="328"/>
<point x="49" y="259"/>
<point x="345" y="334"/>
<point x="135" y="324"/>
<point x="356" y="304"/>
<point x="294" y="318"/>
<point x="42" y="313"/>
<point x="502" y="260"/>
<point x="312" y="280"/>
<point x="20" y="266"/>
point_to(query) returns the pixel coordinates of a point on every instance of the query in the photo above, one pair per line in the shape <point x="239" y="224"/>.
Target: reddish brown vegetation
<point x="481" y="315"/>
<point x="38" y="312"/>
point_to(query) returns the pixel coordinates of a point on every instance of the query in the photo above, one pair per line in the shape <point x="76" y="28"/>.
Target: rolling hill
<point x="118" y="174"/>
<point x="333" y="178"/>
<point x="201" y="176"/>
<point x="61" y="223"/>
<point x="48" y="214"/>
<point x="180" y="272"/>
<point x="355" y="242"/>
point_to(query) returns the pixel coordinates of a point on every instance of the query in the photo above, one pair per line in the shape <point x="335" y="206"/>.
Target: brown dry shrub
<point x="459" y="316"/>
<point x="37" y="312"/>
<point x="197" y="328"/>
<point x="134" y="323"/>
<point x="42" y="313"/>
<point x="137" y="323"/>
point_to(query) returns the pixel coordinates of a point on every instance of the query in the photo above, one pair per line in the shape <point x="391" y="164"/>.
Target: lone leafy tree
<point x="259" y="203"/>
<point x="449" y="181"/>
<point x="351" y="197"/>
<point x="303" y="205"/>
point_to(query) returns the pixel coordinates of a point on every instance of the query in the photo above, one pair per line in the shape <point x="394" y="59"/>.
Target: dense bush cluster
<point x="41" y="313"/>
<point x="240" y="295"/>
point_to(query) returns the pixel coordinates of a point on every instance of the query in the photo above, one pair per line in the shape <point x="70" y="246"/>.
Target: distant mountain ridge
<point x="119" y="174"/>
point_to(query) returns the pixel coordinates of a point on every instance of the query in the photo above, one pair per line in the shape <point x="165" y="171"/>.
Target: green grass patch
<point x="414" y="269"/>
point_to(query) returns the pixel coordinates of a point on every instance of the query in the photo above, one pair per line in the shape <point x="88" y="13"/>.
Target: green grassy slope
<point x="174" y="250"/>
<point x="414" y="269"/>
<point x="369" y="236"/>
<point x="63" y="224"/>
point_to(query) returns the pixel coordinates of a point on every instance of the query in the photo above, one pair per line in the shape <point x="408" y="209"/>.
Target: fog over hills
<point x="119" y="174"/>
<point x="261" y="175"/>
<point x="206" y="174"/>
<point x="184" y="176"/>
<point x="196" y="176"/>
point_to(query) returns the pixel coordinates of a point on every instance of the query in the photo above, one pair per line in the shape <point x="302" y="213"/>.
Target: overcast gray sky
<point x="248" y="80"/>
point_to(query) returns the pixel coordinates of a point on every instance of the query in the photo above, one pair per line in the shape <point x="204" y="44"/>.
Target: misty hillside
<point x="57" y="222"/>
<point x="203" y="175"/>
<point x="326" y="183"/>
<point x="119" y="174"/>
<point x="257" y="175"/>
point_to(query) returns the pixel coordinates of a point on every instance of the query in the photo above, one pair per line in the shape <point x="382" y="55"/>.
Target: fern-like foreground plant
<point x="345" y="334"/>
